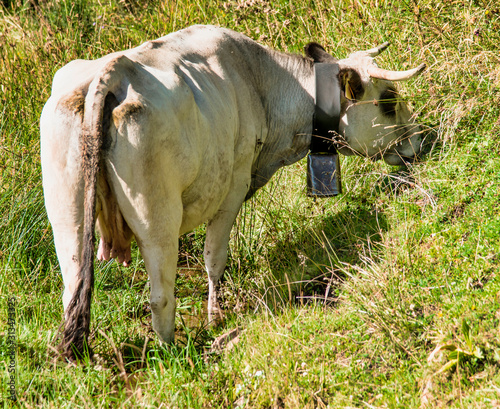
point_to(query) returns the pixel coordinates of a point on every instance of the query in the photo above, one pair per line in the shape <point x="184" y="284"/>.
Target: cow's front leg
<point x="161" y="263"/>
<point x="218" y="231"/>
<point x="217" y="239"/>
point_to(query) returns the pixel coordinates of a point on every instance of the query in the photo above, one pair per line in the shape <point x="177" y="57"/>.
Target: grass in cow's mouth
<point x="353" y="301"/>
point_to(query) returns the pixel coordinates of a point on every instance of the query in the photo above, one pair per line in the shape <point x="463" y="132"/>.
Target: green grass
<point x="384" y="298"/>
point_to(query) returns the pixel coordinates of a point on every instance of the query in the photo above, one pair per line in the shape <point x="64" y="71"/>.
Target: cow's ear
<point x="318" y="53"/>
<point x="351" y="84"/>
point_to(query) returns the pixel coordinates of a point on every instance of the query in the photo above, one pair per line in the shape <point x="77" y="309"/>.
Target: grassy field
<point x="385" y="297"/>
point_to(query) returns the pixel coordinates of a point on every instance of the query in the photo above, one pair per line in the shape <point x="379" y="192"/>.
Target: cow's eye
<point x="388" y="101"/>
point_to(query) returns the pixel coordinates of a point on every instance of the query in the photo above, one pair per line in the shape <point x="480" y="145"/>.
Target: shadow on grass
<point x="306" y="265"/>
<point x="315" y="262"/>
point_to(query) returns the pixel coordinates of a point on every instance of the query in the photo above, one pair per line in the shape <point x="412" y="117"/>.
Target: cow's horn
<point x="373" y="52"/>
<point x="380" y="73"/>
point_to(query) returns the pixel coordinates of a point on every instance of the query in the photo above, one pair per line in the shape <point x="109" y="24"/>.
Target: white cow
<point x="152" y="142"/>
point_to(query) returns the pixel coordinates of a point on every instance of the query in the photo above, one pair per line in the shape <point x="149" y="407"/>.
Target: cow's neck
<point x="287" y="91"/>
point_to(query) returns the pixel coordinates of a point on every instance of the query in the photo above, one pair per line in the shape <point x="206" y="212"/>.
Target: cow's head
<point x="375" y="122"/>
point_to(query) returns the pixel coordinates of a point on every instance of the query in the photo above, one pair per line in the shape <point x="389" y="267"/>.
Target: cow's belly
<point x="202" y="199"/>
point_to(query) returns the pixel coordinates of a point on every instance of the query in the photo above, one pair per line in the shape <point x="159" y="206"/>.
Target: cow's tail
<point x="99" y="103"/>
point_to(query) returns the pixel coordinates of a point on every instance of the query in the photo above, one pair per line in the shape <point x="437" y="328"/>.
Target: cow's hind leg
<point x="161" y="263"/>
<point x="156" y="230"/>
<point x="63" y="191"/>
<point x="68" y="247"/>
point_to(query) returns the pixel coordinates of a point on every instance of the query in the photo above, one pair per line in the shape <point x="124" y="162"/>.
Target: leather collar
<point x="327" y="108"/>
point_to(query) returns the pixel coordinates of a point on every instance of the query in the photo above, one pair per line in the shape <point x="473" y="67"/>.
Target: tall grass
<point x="353" y="301"/>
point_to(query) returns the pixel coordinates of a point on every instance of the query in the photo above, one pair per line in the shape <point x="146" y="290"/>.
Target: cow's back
<point x="187" y="117"/>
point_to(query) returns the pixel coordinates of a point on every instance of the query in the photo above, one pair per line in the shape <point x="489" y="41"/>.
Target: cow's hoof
<point x="215" y="317"/>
